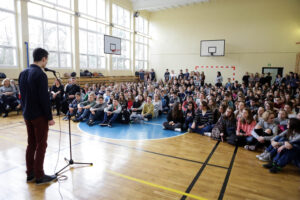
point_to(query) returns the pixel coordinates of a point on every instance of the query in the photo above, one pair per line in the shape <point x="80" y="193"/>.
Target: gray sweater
<point x="265" y="126"/>
<point x="4" y="89"/>
<point x="292" y="139"/>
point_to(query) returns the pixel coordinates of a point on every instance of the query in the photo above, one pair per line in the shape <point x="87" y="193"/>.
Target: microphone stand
<point x="69" y="161"/>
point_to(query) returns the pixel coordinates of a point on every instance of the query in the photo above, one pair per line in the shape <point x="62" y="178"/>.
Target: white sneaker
<point x="146" y="119"/>
<point x="177" y="129"/>
<point x="207" y="134"/>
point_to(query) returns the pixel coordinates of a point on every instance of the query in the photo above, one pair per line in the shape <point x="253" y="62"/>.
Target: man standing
<point x="37" y="113"/>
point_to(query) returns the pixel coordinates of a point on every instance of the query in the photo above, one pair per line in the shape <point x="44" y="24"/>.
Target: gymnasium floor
<point x="184" y="166"/>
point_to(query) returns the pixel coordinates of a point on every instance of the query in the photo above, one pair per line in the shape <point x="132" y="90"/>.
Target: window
<point x="91" y="35"/>
<point x="121" y="17"/>
<point x="93" y="8"/>
<point x="8" y="44"/>
<point x="141" y="52"/>
<point x="122" y="62"/>
<point x="51" y="29"/>
<point x="141" y="44"/>
<point x="141" y="25"/>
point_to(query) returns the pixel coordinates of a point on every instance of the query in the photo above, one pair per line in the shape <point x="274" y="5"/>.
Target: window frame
<point x="15" y="47"/>
<point x="56" y="22"/>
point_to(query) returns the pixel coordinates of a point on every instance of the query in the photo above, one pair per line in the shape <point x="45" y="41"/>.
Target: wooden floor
<point x="185" y="167"/>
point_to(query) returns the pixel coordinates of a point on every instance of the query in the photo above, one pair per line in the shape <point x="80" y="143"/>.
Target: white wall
<point x="257" y="33"/>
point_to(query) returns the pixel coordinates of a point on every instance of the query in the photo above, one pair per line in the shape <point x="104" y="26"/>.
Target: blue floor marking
<point x="137" y="131"/>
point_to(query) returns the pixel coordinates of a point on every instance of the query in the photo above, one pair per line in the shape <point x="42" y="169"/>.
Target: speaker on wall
<point x="136" y="14"/>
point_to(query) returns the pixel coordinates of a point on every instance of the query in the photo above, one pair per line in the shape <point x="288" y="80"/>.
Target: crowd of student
<point x="254" y="114"/>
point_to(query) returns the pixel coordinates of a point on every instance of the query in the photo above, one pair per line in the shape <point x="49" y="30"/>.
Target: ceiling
<point x="156" y="5"/>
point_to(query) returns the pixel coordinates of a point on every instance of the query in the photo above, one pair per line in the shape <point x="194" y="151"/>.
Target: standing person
<point x="152" y="75"/>
<point x="219" y="79"/>
<point x="167" y="75"/>
<point x="37" y="113"/>
<point x="246" y="78"/>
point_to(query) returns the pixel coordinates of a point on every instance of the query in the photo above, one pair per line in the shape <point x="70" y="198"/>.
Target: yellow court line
<point x="155" y="185"/>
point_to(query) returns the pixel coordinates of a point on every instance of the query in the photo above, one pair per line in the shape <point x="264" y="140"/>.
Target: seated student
<point x="97" y="111"/>
<point x="8" y="99"/>
<point x="174" y="99"/>
<point x="282" y="120"/>
<point x="258" y="116"/>
<point x="189" y="115"/>
<point x="175" y="118"/>
<point x="253" y="105"/>
<point x="245" y="126"/>
<point x="83" y="111"/>
<point x="264" y="131"/>
<point x="73" y="106"/>
<point x="215" y="110"/>
<point x="157" y="103"/>
<point x="137" y="107"/>
<point x="225" y="127"/>
<point x="148" y="109"/>
<point x="238" y="113"/>
<point x="111" y="113"/>
<point x="288" y="107"/>
<point x="165" y="100"/>
<point x="188" y="100"/>
<point x="284" y="147"/>
<point x="181" y="94"/>
<point x="56" y="95"/>
<point x="203" y="120"/>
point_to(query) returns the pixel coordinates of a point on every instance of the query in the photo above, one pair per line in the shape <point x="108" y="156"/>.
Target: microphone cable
<point x="60" y="178"/>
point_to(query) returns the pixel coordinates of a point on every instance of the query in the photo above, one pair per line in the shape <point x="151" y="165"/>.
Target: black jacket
<point x="35" y="101"/>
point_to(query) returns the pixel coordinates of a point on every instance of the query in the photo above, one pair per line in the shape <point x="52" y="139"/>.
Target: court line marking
<point x="222" y="192"/>
<point x="200" y="171"/>
<point x="143" y="150"/>
<point x="154" y="185"/>
<point x="132" y="140"/>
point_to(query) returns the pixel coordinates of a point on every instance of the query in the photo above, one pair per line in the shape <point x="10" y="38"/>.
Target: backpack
<point x="2" y="75"/>
<point x="125" y="117"/>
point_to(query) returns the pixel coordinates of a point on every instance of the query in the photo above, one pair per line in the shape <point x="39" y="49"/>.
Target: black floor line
<point x="200" y="171"/>
<point x="222" y="192"/>
<point x="161" y="154"/>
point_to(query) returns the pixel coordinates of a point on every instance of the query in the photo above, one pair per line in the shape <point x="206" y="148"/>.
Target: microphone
<point x="50" y="70"/>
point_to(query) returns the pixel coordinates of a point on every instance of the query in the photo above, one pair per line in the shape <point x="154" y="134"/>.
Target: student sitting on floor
<point x="175" y="118"/>
<point x="148" y="109"/>
<point x="73" y="106"/>
<point x="245" y="126"/>
<point x="97" y="111"/>
<point x="157" y="103"/>
<point x="83" y="111"/>
<point x="189" y="115"/>
<point x="282" y="120"/>
<point x="137" y="107"/>
<point x="285" y="147"/>
<point x="111" y="113"/>
<point x="264" y="131"/>
<point x="225" y="127"/>
<point x="203" y="120"/>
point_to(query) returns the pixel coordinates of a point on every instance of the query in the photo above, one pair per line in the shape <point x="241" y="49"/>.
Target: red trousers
<point x="37" y="131"/>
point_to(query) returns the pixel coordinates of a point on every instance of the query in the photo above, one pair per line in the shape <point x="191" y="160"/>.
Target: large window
<point x="141" y="44"/>
<point x="8" y="48"/>
<point x="121" y="17"/>
<point x="91" y="32"/>
<point x="51" y="29"/>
